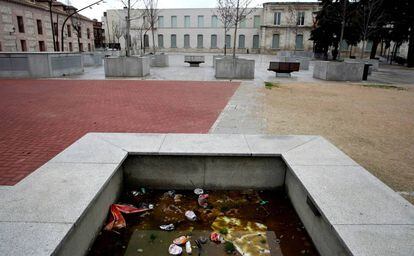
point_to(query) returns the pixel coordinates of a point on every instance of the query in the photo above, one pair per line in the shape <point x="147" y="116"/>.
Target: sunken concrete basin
<point x="60" y="208"/>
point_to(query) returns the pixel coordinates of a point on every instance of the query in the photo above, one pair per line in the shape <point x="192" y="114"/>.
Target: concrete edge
<point x="219" y="147"/>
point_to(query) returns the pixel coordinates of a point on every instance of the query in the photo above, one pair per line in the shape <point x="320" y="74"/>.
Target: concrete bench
<point x="284" y="67"/>
<point x="194" y="61"/>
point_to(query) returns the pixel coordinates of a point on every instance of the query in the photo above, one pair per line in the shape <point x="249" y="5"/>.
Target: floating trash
<point x="116" y="220"/>
<point x="168" y="227"/>
<point x="188" y="248"/>
<point x="180" y="240"/>
<point x="202" y="200"/>
<point x="175" y="249"/>
<point x="190" y="215"/>
<point x="198" y="191"/>
<point x="216" y="237"/>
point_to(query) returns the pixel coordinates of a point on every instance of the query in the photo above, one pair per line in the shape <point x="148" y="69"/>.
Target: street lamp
<point x="51" y="21"/>
<point x="75" y="12"/>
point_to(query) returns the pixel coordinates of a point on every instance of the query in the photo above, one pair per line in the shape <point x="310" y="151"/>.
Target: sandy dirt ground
<point x="374" y="126"/>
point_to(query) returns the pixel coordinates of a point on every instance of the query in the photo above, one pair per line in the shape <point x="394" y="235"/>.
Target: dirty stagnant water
<point x="284" y="232"/>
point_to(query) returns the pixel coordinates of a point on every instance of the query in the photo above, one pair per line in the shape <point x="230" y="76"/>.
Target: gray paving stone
<point x="207" y="144"/>
<point x="317" y="152"/>
<point x="268" y="145"/>
<point x="31" y="238"/>
<point x="378" y="240"/>
<point x="135" y="143"/>
<point x="91" y="149"/>
<point x="56" y="192"/>
<point x="351" y="195"/>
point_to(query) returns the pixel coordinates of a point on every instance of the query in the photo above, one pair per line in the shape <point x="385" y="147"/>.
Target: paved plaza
<point x="39" y="118"/>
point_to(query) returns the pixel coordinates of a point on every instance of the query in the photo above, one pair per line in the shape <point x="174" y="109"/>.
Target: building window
<point x="213" y="41"/>
<point x="69" y="28"/>
<point x="301" y="19"/>
<point x="88" y="33"/>
<point x="256" y="22"/>
<point x="186" y="41"/>
<point x="55" y="28"/>
<point x="242" y="42"/>
<point x="214" y="21"/>
<point x="277" y="18"/>
<point x="70" y="47"/>
<point x="186" y="21"/>
<point x="228" y="41"/>
<point x="243" y="22"/>
<point x="89" y="47"/>
<point x="79" y="31"/>
<point x="174" y="41"/>
<point x="1" y="49"/>
<point x="146" y="41"/>
<point x="160" y="41"/>
<point x="161" y="21"/>
<point x="200" y="21"/>
<point x="20" y="24"/>
<point x="39" y="27"/>
<point x="81" y="47"/>
<point x="256" y="42"/>
<point x="42" y="47"/>
<point x="200" y="41"/>
<point x="23" y="45"/>
<point x="173" y="21"/>
<point x="275" y="41"/>
<point x="57" y="45"/>
<point x="299" y="42"/>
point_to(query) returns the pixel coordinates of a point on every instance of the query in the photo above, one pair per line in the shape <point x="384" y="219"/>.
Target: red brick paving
<point x="39" y="118"/>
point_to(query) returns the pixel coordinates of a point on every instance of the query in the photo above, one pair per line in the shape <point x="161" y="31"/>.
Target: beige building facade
<point x="274" y="27"/>
<point x="25" y="26"/>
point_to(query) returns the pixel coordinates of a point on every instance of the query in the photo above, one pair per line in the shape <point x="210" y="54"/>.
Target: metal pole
<point x="67" y="18"/>
<point x="51" y="25"/>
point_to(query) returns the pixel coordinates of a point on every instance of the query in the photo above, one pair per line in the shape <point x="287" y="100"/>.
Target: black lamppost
<point x="51" y="21"/>
<point x="70" y="15"/>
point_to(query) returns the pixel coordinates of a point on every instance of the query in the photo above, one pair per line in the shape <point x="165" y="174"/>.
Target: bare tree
<point x="242" y="10"/>
<point x="129" y="4"/>
<point x="77" y="27"/>
<point x="372" y="15"/>
<point x="225" y="13"/>
<point x="151" y="14"/>
<point x="118" y="30"/>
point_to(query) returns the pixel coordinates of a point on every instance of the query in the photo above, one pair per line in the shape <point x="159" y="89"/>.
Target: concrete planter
<point x="338" y="71"/>
<point x="373" y="62"/>
<point x="40" y="64"/>
<point x="304" y="62"/>
<point x="132" y="66"/>
<point x="92" y="59"/>
<point x="303" y="54"/>
<point x="215" y="57"/>
<point x="159" y="60"/>
<point x="229" y="68"/>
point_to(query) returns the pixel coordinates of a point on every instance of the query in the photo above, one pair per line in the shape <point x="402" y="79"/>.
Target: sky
<point x="97" y="10"/>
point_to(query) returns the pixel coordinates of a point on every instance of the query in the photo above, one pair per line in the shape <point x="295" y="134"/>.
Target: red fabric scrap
<point x="116" y="220"/>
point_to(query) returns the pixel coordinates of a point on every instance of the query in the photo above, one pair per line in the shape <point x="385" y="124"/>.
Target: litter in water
<point x="116" y="220"/>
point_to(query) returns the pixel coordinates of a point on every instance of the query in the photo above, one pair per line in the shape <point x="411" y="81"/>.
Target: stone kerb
<point x="60" y="208"/>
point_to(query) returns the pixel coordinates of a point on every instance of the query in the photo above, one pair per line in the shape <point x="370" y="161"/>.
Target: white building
<point x="276" y="26"/>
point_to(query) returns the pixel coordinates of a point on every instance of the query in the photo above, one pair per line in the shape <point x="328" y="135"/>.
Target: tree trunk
<point x="127" y="29"/>
<point x="153" y="40"/>
<point x="375" y="44"/>
<point x="235" y="29"/>
<point x="410" y="55"/>
<point x="362" y="49"/>
<point x="350" y="51"/>
<point x="225" y="45"/>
